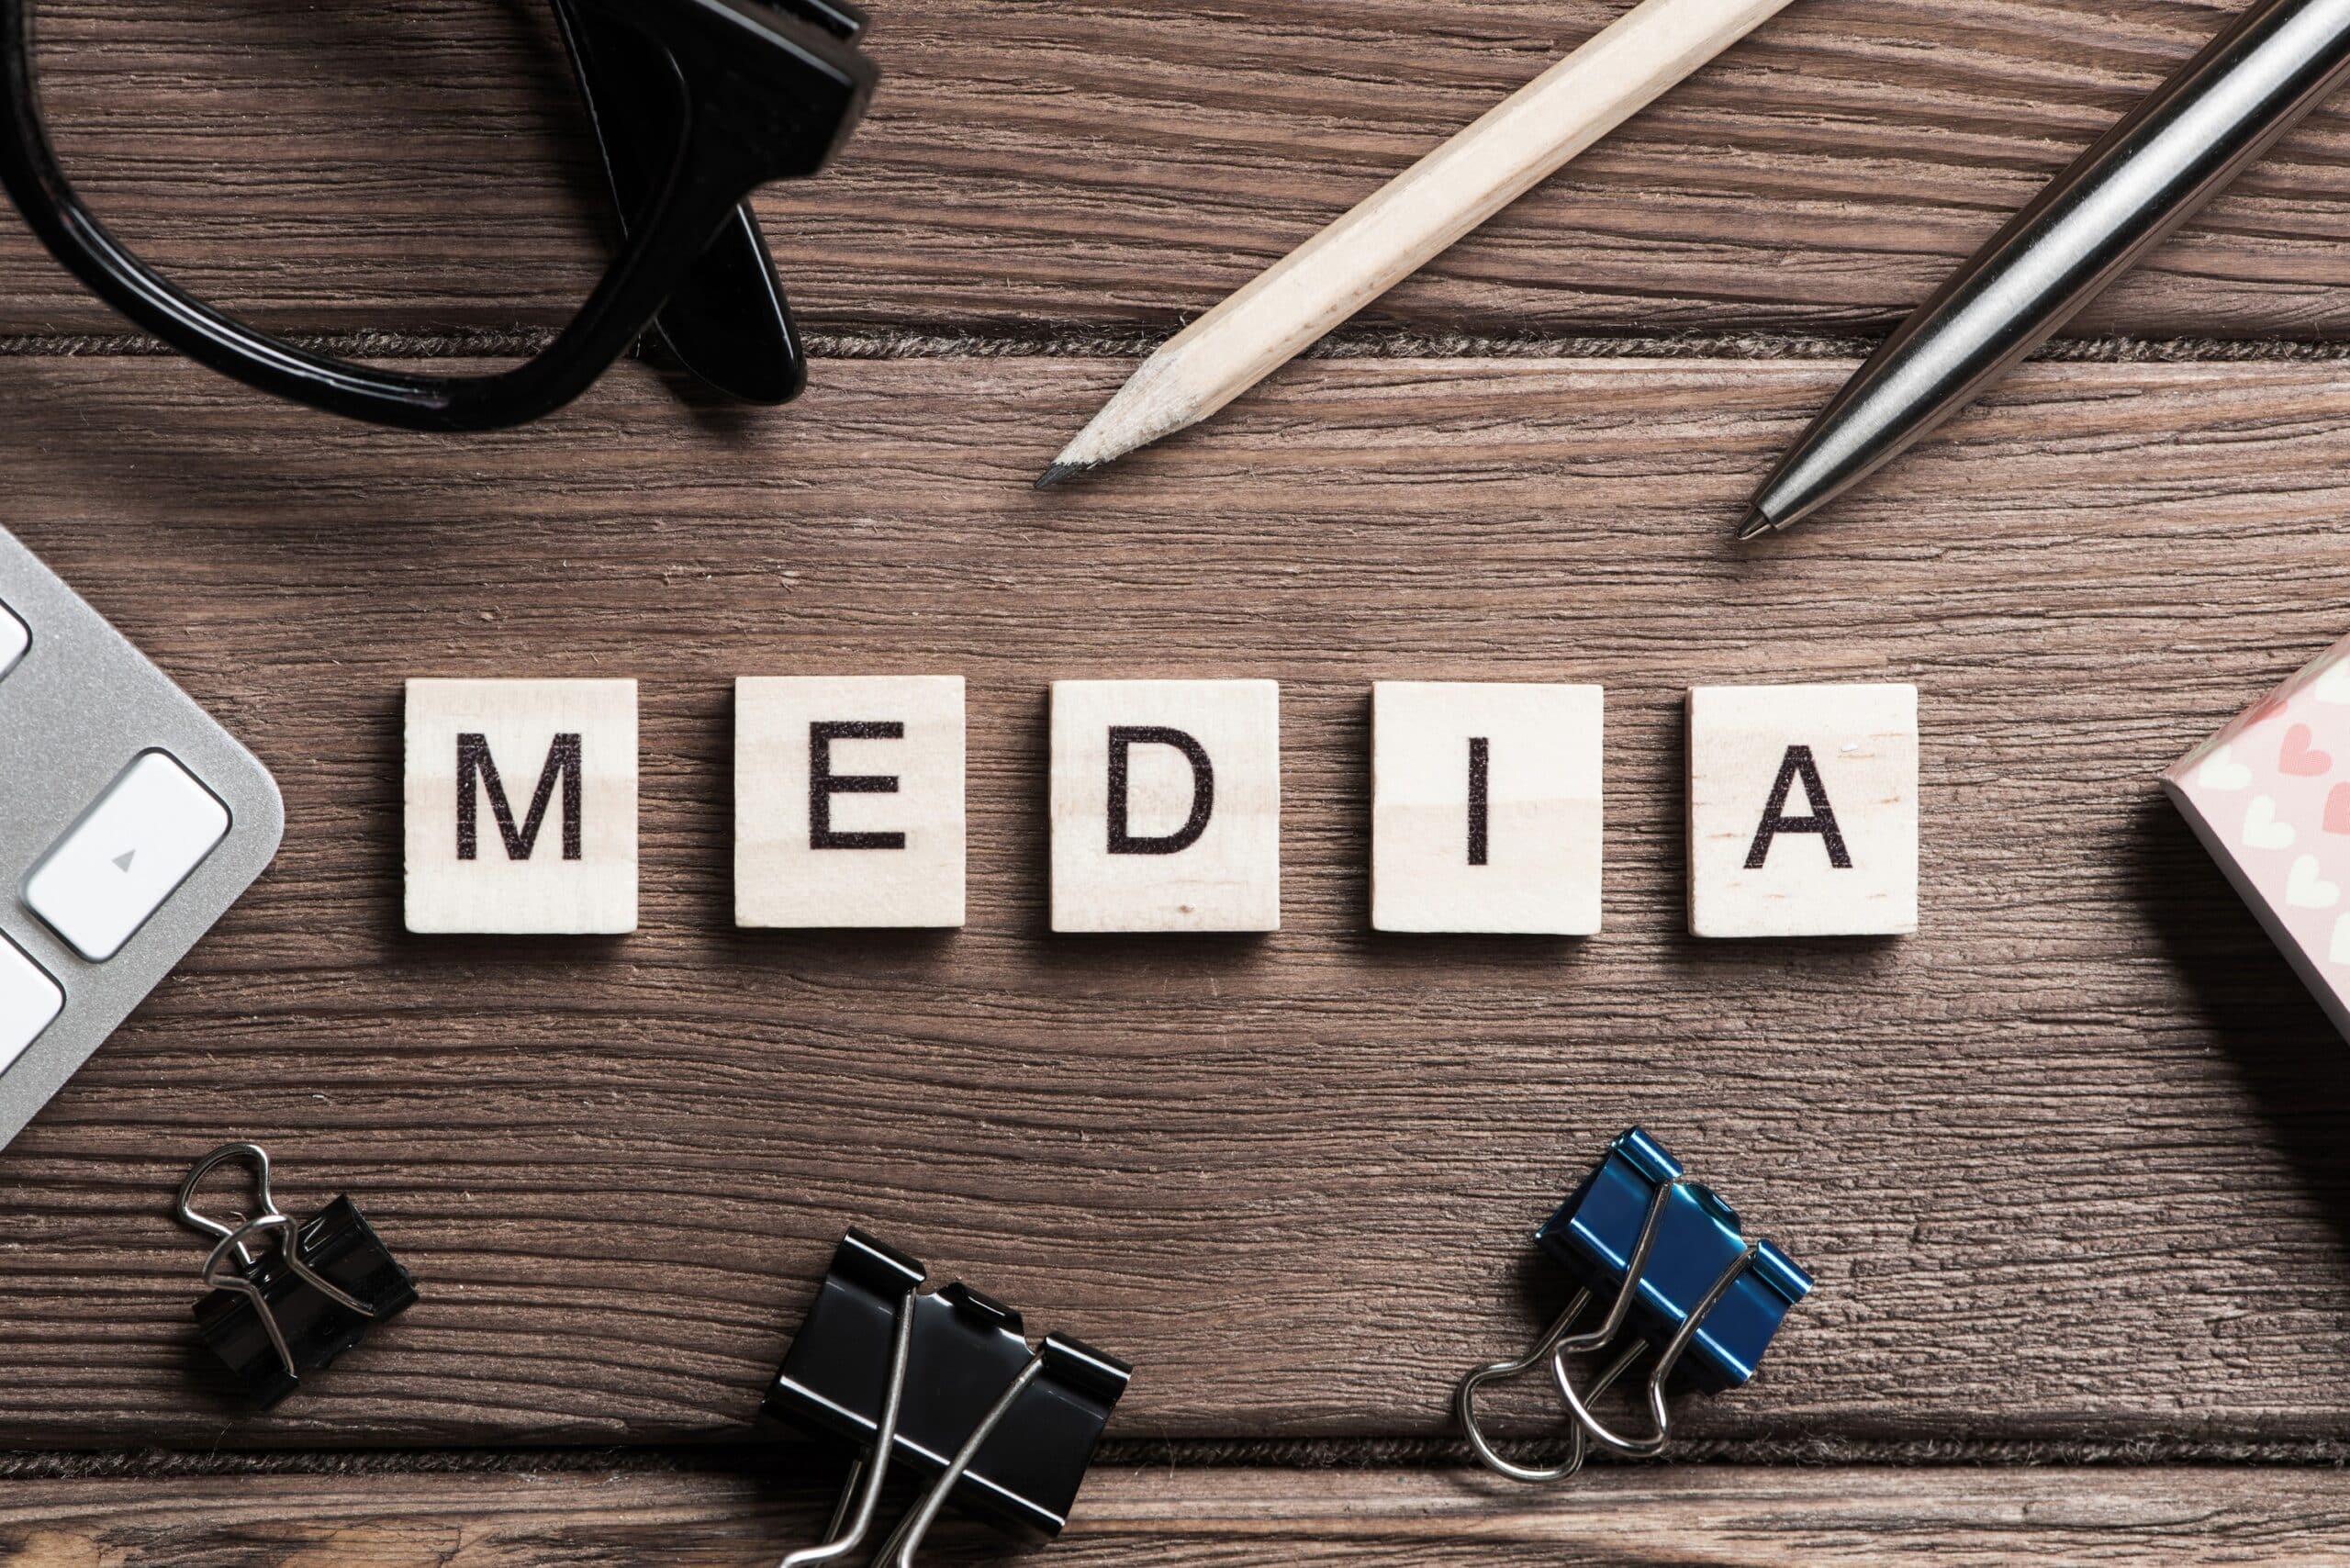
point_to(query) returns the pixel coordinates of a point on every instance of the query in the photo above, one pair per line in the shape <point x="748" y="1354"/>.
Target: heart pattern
<point x="2221" y="773"/>
<point x="2298" y="757"/>
<point x="2261" y="828"/>
<point x="2305" y="889"/>
<point x="2337" y="809"/>
<point x="2274" y="810"/>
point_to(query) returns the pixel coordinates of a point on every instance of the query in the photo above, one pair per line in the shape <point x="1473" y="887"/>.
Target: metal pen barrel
<point x="2144" y="178"/>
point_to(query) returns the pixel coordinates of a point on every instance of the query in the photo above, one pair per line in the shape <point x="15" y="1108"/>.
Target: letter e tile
<point x="848" y="801"/>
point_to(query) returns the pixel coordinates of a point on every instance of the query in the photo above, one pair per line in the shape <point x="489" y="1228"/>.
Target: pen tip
<point x="1758" y="523"/>
<point x="1060" y="473"/>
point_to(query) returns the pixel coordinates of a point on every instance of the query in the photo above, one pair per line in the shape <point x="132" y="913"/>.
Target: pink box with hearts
<point x="2270" y="795"/>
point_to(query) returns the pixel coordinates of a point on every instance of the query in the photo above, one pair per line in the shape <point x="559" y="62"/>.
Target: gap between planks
<point x="1187" y="1454"/>
<point x="949" y="341"/>
<point x="1170" y="1516"/>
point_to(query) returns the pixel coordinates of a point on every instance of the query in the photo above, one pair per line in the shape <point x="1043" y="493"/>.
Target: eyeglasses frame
<point x="762" y="91"/>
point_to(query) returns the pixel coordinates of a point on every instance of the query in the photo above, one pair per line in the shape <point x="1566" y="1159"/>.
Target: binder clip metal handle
<point x="993" y="1424"/>
<point x="1557" y="1345"/>
<point x="1600" y="1337"/>
<point x="1464" y="1398"/>
<point x="232" y="1239"/>
<point x="1682" y="1275"/>
<point x="861" y="1492"/>
<point x="899" y="1551"/>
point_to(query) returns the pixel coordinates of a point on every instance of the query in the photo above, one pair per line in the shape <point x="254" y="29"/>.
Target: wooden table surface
<point x="2069" y="1165"/>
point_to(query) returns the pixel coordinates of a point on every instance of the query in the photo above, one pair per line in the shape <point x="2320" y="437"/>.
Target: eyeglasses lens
<point x="338" y="170"/>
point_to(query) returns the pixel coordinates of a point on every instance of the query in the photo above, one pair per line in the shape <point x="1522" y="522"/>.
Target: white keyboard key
<point x="29" y="1000"/>
<point x="14" y="639"/>
<point x="154" y="825"/>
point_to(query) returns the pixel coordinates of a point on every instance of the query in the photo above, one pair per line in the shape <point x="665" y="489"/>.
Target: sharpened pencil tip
<point x="1061" y="472"/>
<point x="1758" y="523"/>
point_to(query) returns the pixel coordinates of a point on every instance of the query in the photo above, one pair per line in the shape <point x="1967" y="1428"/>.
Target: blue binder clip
<point x="1675" y="1268"/>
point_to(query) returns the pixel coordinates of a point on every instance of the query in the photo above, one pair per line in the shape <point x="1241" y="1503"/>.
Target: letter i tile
<point x="520" y="806"/>
<point x="1485" y="807"/>
<point x="1166" y="805"/>
<point x="1803" y="810"/>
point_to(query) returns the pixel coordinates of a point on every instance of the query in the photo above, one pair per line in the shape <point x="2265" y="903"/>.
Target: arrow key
<point x="130" y="851"/>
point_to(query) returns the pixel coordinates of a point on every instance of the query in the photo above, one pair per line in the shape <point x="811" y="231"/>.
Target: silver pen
<point x="2147" y="175"/>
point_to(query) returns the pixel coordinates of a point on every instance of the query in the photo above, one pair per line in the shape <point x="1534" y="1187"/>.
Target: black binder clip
<point x="1668" y="1257"/>
<point x="299" y="1305"/>
<point x="947" y="1383"/>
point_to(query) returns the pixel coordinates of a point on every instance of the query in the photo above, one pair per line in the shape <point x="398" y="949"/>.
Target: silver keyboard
<point x="130" y="821"/>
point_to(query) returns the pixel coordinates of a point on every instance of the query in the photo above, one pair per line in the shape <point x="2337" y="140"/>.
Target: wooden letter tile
<point x="1803" y="810"/>
<point x="521" y="806"/>
<point x="848" y="801"/>
<point x="1166" y="801"/>
<point x="1485" y="807"/>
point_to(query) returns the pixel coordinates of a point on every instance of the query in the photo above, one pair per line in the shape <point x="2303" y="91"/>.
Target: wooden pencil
<point x="1511" y="148"/>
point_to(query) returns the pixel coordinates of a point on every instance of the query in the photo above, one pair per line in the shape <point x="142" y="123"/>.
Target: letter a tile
<point x="521" y="803"/>
<point x="1803" y="810"/>
<point x="1167" y="805"/>
<point x="848" y="801"/>
<point x="1484" y="807"/>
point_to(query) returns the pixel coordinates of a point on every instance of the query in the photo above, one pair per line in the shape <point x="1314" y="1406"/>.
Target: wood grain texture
<point x="1032" y="166"/>
<point x="2069" y="1162"/>
<point x="1764" y="1518"/>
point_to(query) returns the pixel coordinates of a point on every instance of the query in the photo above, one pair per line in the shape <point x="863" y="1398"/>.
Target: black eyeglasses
<point x="695" y="103"/>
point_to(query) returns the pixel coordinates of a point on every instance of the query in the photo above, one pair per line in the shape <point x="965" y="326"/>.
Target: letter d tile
<point x="520" y="806"/>
<point x="1166" y="805"/>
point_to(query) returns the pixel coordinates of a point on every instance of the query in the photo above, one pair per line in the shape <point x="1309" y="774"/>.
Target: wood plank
<point x="2068" y="1162"/>
<point x="1033" y="165"/>
<point x="733" y="1519"/>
